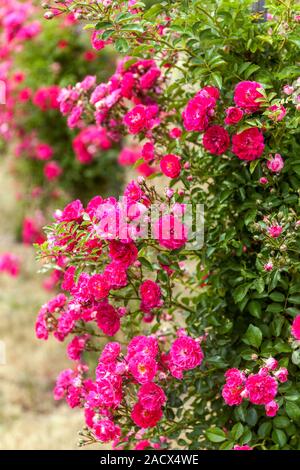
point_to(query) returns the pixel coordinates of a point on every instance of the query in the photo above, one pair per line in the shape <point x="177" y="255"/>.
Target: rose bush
<point x="219" y="116"/>
<point x="37" y="63"/>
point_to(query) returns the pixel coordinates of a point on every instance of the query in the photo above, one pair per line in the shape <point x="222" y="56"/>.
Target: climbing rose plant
<point x="207" y="350"/>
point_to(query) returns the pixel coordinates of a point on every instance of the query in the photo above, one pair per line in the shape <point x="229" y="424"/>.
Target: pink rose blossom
<point x="296" y="328"/>
<point x="276" y="112"/>
<point x="216" y="140"/>
<point x="263" y="180"/>
<point x="282" y="375"/>
<point x="170" y="232"/>
<point x="43" y="152"/>
<point x="145" y="418"/>
<point x="170" y="165"/>
<point x="271" y="408"/>
<point x="185" y="354"/>
<point x="142" y="344"/>
<point x="261" y="388"/>
<point x="149" y="79"/>
<point x="276" y="163"/>
<point x="140" y="118"/>
<point x="68" y="280"/>
<point x="249" y="144"/>
<point x="151" y="396"/>
<point x="175" y="133"/>
<point x="233" y="115"/>
<point x="268" y="266"/>
<point x="10" y="264"/>
<point x="198" y="111"/>
<point x="108" y="319"/>
<point x="143" y="368"/>
<point x="105" y="430"/>
<point x="99" y="286"/>
<point x="97" y="42"/>
<point x="142" y="445"/>
<point x="275" y="231"/>
<point x="77" y="346"/>
<point x="234" y="387"/>
<point x="116" y="275"/>
<point x="72" y="211"/>
<point x="288" y="89"/>
<point x="148" y="151"/>
<point x="52" y="170"/>
<point x="246" y="96"/>
<point x="271" y="363"/>
<point x="123" y="253"/>
<point x="150" y="294"/>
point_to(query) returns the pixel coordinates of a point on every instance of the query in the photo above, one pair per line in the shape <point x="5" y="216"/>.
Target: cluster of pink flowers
<point x="29" y="145"/>
<point x="89" y="141"/>
<point x="144" y="367"/>
<point x="259" y="389"/>
<point x="10" y="264"/>
<point x="109" y="233"/>
<point x="108" y="103"/>
<point x="201" y="112"/>
<point x="16" y="23"/>
<point x="46" y="97"/>
<point x="106" y="100"/>
<point x="16" y="26"/>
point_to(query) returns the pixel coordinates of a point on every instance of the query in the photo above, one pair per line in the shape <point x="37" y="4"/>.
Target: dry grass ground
<point x="29" y="417"/>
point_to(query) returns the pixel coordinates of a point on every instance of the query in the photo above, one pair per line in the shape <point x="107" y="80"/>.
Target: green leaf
<point x="253" y="336"/>
<point x="107" y="34"/>
<point x="240" y="292"/>
<point x="289" y="72"/>
<point x="247" y="436"/>
<point x="228" y="445"/>
<point x="123" y="17"/>
<point x="294" y="38"/>
<point x="153" y="11"/>
<point x="135" y="27"/>
<point x="259" y="285"/>
<point x="253" y="165"/>
<point x="145" y="263"/>
<point x="237" y="431"/>
<point x="217" y="79"/>
<point x="250" y="70"/>
<point x="277" y="296"/>
<point x="121" y="45"/>
<point x="264" y="429"/>
<point x="296" y="357"/>
<point x="279" y="437"/>
<point x="275" y="308"/>
<point x="88" y="26"/>
<point x="215" y="435"/>
<point x="251" y="417"/>
<point x="254" y="308"/>
<point x="103" y="25"/>
<point x="239" y="413"/>
<point x="294" y="299"/>
<point x="281" y="422"/>
<point x="250" y="216"/>
<point x="293" y="411"/>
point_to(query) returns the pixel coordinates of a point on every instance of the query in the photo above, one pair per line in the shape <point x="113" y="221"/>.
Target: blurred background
<point x="29" y="417"/>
